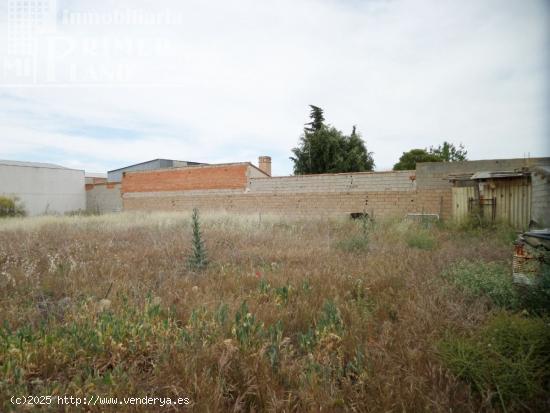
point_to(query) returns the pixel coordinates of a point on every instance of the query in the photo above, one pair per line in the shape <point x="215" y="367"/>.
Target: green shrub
<point x="420" y="239"/>
<point x="198" y="260"/>
<point x="11" y="207"/>
<point x="506" y="360"/>
<point x="478" y="278"/>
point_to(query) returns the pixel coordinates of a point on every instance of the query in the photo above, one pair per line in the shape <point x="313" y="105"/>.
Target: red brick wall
<point x="184" y="179"/>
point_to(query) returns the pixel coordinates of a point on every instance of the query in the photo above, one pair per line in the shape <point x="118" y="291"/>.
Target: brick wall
<point x="231" y="176"/>
<point x="382" y="194"/>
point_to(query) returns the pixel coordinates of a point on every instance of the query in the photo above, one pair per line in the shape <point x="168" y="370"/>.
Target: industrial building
<point x="43" y="188"/>
<point x="116" y="174"/>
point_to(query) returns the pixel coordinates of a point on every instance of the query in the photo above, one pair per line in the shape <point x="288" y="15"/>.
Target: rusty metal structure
<point x="503" y="196"/>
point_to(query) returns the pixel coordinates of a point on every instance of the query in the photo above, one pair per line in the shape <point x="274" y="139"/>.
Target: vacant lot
<point x="288" y="316"/>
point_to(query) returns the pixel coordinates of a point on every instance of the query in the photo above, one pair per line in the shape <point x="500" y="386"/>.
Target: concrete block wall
<point x="380" y="204"/>
<point x="351" y="182"/>
<point x="540" y="207"/>
<point x="103" y="197"/>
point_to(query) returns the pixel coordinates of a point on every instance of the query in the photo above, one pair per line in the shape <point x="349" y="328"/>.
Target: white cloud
<point x="239" y="77"/>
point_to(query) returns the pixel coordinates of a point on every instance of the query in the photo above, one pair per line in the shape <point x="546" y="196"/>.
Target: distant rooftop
<point x="32" y="164"/>
<point x="96" y="175"/>
<point x="154" y="160"/>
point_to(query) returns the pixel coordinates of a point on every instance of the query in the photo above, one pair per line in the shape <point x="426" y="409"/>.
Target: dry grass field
<point x="289" y="316"/>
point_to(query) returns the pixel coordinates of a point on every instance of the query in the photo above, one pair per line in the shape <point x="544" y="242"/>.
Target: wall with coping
<point x="349" y="182"/>
<point x="379" y="204"/>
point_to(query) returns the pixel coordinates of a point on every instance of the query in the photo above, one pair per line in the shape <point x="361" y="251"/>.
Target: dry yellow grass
<point x="286" y="317"/>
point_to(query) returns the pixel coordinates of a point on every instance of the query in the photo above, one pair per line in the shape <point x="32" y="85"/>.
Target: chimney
<point x="264" y="162"/>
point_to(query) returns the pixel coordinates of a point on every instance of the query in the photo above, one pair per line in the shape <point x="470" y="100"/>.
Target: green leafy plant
<point x="307" y="340"/>
<point x="282" y="294"/>
<point x="504" y="361"/>
<point x="330" y="320"/>
<point x="246" y="328"/>
<point x="198" y="260"/>
<point x="491" y="279"/>
<point x="273" y="350"/>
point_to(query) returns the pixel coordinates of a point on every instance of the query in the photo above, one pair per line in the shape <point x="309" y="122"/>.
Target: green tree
<point x="409" y="159"/>
<point x="317" y="119"/>
<point x="448" y="152"/>
<point x="319" y="152"/>
<point x="325" y="149"/>
<point x="357" y="158"/>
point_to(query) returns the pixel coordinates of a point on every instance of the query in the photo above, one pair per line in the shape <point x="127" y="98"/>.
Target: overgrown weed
<point x="278" y="321"/>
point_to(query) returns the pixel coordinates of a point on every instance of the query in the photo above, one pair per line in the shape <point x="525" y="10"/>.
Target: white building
<point x="43" y="188"/>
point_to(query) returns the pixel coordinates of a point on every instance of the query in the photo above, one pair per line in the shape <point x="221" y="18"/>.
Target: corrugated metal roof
<point x="460" y="177"/>
<point x="189" y="163"/>
<point x="32" y="164"/>
<point x="486" y="175"/>
<point x="496" y="175"/>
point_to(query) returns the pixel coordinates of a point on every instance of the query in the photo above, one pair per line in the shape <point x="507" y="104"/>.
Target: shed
<point x="503" y="196"/>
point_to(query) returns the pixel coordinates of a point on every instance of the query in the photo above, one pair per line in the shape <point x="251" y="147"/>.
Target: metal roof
<point x="154" y="160"/>
<point x="497" y="175"/>
<point x="32" y="164"/>
<point x="486" y="175"/>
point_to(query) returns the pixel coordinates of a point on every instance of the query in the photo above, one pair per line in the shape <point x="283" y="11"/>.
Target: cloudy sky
<point x="97" y="84"/>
